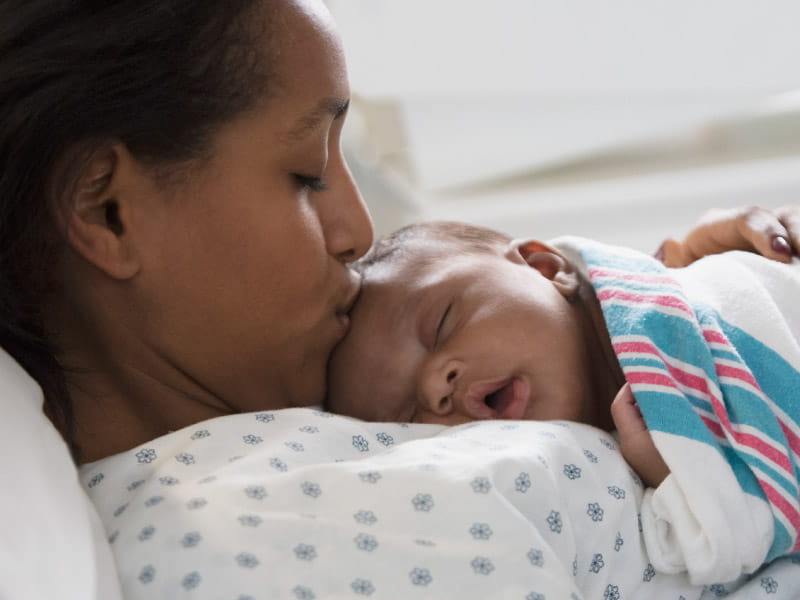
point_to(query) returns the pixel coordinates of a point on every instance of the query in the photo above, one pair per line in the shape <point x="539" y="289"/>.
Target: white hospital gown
<point x="303" y="505"/>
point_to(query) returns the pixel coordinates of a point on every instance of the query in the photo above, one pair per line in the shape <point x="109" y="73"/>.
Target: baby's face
<point x="458" y="337"/>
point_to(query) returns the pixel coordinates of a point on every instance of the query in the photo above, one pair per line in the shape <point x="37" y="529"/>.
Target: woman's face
<point x="245" y="265"/>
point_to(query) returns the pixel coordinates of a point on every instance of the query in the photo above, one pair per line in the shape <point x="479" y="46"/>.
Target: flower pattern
<point x="769" y="584"/>
<point x="365" y="517"/>
<point x="191" y="539"/>
<point x="482" y="565"/>
<point x="422" y="502"/>
<point x="256" y="492"/>
<point x="147" y="574"/>
<point x="247" y="560"/>
<point x="590" y="456"/>
<point x="480" y="531"/>
<point x="522" y="483"/>
<point x="250" y="520"/>
<point x="360" y="443"/>
<point x="481" y="485"/>
<point x="301" y="592"/>
<point x="146" y="455"/>
<point x="616" y="492"/>
<point x="185" y="458"/>
<point x="311" y="489"/>
<point x="362" y="587"/>
<point x="278" y="464"/>
<point x="164" y="504"/>
<point x="191" y="580"/>
<point x="554" y="521"/>
<point x="597" y="563"/>
<point x="146" y="533"/>
<point x="366" y="542"/>
<point x="420" y="576"/>
<point x="305" y="552"/>
<point x="384" y="438"/>
<point x="536" y="557"/>
<point x="618" y="542"/>
<point x="369" y="476"/>
<point x="594" y="511"/>
<point x="196" y="503"/>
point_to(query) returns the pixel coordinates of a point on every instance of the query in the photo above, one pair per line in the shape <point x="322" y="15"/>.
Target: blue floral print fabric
<point x="304" y="505"/>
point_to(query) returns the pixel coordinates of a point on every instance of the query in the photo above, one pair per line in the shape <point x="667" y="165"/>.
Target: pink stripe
<point x="647" y="299"/>
<point x="743" y="375"/>
<point x="789" y="511"/>
<point x="716" y="337"/>
<point x="714" y="427"/>
<point x="700" y="384"/>
<point x="641" y="347"/>
<point x="736" y="373"/>
<point x="791" y="437"/>
<point x="689" y="380"/>
<point x="647" y="278"/>
<point x="650" y="378"/>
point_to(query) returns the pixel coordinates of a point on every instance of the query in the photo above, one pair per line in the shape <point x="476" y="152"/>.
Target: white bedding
<point x="304" y="505"/>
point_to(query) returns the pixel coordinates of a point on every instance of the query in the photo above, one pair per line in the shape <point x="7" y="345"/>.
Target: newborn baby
<point x="456" y="323"/>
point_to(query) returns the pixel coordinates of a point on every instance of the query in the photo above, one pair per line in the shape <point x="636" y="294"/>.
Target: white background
<point x="500" y="112"/>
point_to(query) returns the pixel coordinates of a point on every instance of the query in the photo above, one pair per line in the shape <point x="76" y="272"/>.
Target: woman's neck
<point x="122" y="392"/>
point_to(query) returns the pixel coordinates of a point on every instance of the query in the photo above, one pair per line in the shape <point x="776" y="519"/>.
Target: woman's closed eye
<point x="310" y="182"/>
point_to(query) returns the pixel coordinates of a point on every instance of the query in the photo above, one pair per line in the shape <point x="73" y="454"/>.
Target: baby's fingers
<point x="626" y="415"/>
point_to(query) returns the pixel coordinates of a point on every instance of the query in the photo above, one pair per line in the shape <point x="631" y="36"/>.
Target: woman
<point x="187" y="194"/>
<point x="176" y="214"/>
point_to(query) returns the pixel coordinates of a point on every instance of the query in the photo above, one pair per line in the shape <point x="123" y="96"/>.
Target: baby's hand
<point x="635" y="441"/>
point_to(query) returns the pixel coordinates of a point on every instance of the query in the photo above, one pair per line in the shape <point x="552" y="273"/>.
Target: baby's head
<point x="456" y="323"/>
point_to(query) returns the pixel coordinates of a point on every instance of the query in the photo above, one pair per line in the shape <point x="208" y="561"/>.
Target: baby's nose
<point x="438" y="385"/>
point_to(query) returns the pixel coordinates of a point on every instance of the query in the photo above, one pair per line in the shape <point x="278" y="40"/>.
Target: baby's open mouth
<point x="499" y="399"/>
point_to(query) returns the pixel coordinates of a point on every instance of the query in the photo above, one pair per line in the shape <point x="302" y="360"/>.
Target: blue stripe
<point x="683" y="339"/>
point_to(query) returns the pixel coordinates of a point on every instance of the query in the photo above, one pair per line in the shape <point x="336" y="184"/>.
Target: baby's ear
<point x="548" y="261"/>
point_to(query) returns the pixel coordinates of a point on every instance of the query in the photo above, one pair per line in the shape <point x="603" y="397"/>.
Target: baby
<point x="456" y="323"/>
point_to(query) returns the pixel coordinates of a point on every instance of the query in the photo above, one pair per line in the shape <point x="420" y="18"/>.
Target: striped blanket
<point x="712" y="356"/>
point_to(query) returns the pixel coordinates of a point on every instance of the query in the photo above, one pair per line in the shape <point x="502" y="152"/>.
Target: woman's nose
<point x="346" y="222"/>
<point x="437" y="386"/>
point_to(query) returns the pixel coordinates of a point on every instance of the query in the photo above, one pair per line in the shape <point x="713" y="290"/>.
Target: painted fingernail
<point x="659" y="255"/>
<point x="781" y="246"/>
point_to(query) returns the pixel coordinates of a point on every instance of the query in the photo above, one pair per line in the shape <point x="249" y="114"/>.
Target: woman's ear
<point x="93" y="212"/>
<point x="549" y="262"/>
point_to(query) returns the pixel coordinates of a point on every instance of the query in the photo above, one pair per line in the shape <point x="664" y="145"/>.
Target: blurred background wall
<point x="620" y="120"/>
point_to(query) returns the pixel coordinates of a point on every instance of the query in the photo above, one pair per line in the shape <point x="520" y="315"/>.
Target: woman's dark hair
<point x="160" y="76"/>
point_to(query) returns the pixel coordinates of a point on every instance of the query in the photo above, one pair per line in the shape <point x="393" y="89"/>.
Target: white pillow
<point x="52" y="543"/>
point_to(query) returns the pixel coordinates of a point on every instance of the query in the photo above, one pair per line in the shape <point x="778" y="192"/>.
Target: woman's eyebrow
<point x="335" y="107"/>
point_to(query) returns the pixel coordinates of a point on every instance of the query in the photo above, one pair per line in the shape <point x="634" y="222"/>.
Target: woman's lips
<point x="498" y="399"/>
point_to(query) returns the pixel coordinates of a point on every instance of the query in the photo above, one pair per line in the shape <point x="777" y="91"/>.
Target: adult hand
<point x="635" y="441"/>
<point x="774" y="234"/>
